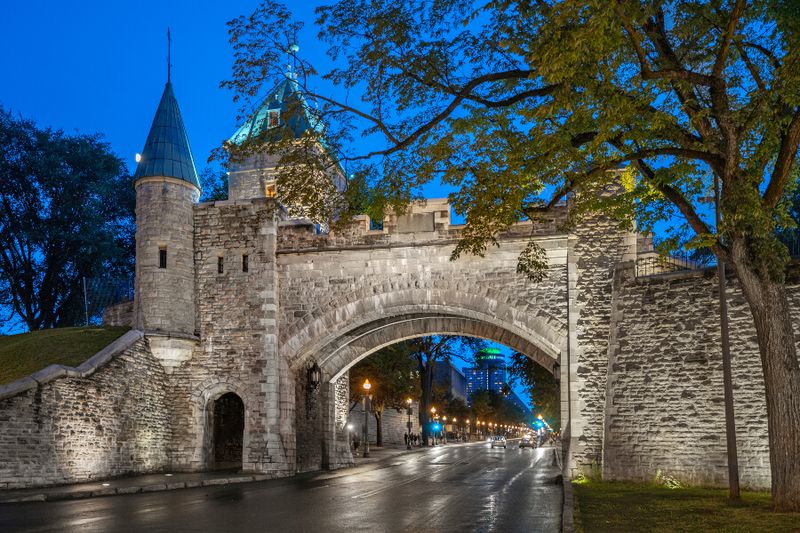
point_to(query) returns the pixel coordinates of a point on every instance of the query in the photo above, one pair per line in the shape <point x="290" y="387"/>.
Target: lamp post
<point x="727" y="380"/>
<point x="367" y="386"/>
<point x="433" y="432"/>
<point x="468" y="429"/>
<point x="444" y="430"/>
<point x="408" y="412"/>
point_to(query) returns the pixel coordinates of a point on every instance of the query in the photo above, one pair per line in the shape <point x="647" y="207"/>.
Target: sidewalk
<point x="177" y="480"/>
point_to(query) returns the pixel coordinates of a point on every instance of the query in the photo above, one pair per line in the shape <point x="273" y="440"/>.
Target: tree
<point x="66" y="211"/>
<point x="393" y="376"/>
<point x="215" y="185"/>
<point x="541" y="386"/>
<point x="493" y="406"/>
<point x="427" y="351"/>
<point x="518" y="104"/>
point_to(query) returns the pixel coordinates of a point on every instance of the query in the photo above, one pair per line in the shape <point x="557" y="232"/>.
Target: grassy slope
<point x="26" y="353"/>
<point x="624" y="507"/>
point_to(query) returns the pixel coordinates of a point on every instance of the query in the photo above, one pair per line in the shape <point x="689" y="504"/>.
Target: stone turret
<point x="283" y="113"/>
<point x="167" y="189"/>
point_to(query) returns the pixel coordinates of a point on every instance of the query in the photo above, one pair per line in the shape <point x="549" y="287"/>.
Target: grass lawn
<point x="623" y="507"/>
<point x="26" y="353"/>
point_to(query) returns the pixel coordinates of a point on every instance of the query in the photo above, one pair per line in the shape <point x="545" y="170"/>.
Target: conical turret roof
<point x="166" y="151"/>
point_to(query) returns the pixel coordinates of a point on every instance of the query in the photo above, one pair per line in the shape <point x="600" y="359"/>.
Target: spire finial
<point x="169" y="56"/>
<point x="291" y="52"/>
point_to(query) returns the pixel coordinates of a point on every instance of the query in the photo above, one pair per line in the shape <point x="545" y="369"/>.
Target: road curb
<point x="52" y="496"/>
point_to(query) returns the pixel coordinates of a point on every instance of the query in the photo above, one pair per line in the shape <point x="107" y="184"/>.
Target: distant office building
<point x="489" y="372"/>
<point x="447" y="375"/>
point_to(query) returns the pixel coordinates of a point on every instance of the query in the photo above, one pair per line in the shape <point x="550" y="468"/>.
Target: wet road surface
<point x="457" y="488"/>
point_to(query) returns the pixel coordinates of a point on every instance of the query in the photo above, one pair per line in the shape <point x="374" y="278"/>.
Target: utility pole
<point x="85" y="301"/>
<point x="730" y="421"/>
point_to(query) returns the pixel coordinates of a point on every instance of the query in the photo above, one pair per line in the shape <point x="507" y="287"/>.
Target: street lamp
<point x="444" y="429"/>
<point x="408" y="411"/>
<point x="468" y="429"/>
<point x="367" y="386"/>
<point x="433" y="431"/>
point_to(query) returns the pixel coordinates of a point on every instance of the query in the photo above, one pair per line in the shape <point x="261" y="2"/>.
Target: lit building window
<point x="271" y="191"/>
<point x="273" y="118"/>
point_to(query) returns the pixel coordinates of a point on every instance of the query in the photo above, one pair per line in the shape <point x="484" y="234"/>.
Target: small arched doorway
<point x="228" y="432"/>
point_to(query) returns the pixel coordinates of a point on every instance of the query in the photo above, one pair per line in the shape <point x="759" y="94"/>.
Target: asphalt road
<point x="457" y="488"/>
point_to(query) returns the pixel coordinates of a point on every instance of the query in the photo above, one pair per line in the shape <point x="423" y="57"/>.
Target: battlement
<point x="426" y="222"/>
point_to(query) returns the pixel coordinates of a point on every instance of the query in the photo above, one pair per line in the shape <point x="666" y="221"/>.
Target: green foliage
<point x="518" y="104"/>
<point x="492" y="406"/>
<point x="393" y="375"/>
<point x="541" y="386"/>
<point x="214" y="184"/>
<point x="66" y="211"/>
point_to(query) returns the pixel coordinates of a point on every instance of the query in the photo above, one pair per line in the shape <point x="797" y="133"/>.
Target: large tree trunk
<point x="770" y="308"/>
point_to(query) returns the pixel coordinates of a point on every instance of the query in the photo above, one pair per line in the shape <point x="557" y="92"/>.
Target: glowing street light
<point x="408" y="411"/>
<point x="366" y="386"/>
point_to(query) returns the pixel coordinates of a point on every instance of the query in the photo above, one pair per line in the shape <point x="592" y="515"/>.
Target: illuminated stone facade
<point x="234" y="297"/>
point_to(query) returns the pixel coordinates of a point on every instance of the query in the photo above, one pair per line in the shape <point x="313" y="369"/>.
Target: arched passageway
<point x="336" y="357"/>
<point x="227" y="432"/>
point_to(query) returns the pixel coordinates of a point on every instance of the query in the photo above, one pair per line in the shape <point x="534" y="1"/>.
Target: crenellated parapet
<point x="425" y="223"/>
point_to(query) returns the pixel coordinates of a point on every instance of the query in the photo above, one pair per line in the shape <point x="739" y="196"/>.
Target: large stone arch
<point x="337" y="357"/>
<point x="520" y="321"/>
<point x="340" y="337"/>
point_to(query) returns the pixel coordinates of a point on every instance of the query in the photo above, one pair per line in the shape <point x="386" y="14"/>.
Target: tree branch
<point x="675" y="196"/>
<point x="727" y="36"/>
<point x="787" y="154"/>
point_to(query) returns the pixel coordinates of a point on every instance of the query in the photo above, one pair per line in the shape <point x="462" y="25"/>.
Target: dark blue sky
<point x="100" y="66"/>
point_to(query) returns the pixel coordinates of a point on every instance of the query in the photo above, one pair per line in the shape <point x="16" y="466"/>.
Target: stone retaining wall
<point x="111" y="422"/>
<point x="665" y="403"/>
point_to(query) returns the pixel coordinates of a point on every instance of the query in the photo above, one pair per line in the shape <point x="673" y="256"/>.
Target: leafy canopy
<point x="516" y="104"/>
<point x="66" y="211"/>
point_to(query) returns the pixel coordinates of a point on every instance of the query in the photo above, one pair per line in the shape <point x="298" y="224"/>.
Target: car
<point x="498" y="440"/>
<point x="528" y="441"/>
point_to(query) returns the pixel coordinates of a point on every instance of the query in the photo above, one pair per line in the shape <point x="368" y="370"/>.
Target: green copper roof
<point x="167" y="152"/>
<point x="294" y="113"/>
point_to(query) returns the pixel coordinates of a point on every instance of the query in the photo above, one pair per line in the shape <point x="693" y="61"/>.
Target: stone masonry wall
<point x="394" y="424"/>
<point x="120" y="314"/>
<point x="113" y="422"/>
<point x="665" y="409"/>
<point x="236" y="320"/>
<point x="595" y="249"/>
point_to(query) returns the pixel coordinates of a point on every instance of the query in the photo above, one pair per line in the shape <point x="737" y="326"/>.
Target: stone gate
<point x="235" y="301"/>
